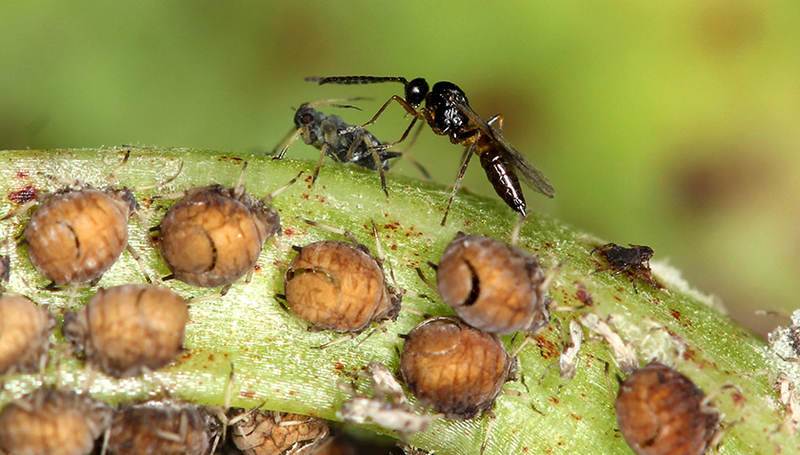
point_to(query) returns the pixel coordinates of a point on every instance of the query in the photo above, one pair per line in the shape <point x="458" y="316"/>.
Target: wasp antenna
<point x="352" y="80"/>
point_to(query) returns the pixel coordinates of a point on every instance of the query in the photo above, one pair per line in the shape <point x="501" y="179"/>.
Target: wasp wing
<point x="529" y="174"/>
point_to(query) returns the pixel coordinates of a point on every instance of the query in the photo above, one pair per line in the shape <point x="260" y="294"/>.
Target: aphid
<point x="160" y="427"/>
<point x="448" y="113"/>
<point x="388" y="408"/>
<point x="633" y="261"/>
<point x="77" y="234"/>
<point x="338" y="140"/>
<point x="277" y="433"/>
<point x="214" y="235"/>
<point x="127" y="329"/>
<point x="493" y="286"/>
<point x="339" y="286"/>
<point x="24" y="334"/>
<point x="455" y="368"/>
<point x="52" y="422"/>
<point x="662" y="412"/>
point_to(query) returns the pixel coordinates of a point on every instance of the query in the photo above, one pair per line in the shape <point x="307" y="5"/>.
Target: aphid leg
<point x="238" y="190"/>
<point x="106" y="436"/>
<point x="281" y="189"/>
<point x="489" y="427"/>
<point x="221" y="415"/>
<point x="293" y="135"/>
<point x="138" y="259"/>
<point x="281" y="299"/>
<point x="223" y="290"/>
<point x="378" y="166"/>
<point x="467" y="156"/>
<point x="323" y="151"/>
<point x="112" y="177"/>
<point x="165" y="182"/>
<point x="341" y="339"/>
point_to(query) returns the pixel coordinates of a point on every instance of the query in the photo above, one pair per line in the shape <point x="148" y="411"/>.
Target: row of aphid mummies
<point x="494" y="289"/>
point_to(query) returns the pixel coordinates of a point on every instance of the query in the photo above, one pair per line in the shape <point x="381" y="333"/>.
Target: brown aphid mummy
<point x="662" y="412"/>
<point x="493" y="286"/>
<point x="160" y="427"/>
<point x="24" y="334"/>
<point x="214" y="235"/>
<point x="52" y="422"/>
<point x="276" y="433"/>
<point x="633" y="261"/>
<point x="456" y="369"/>
<point x="127" y="329"/>
<point x="388" y="408"/>
<point x="339" y="286"/>
<point x="77" y="234"/>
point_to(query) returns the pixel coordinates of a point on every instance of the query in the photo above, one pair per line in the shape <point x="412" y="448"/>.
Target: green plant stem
<point x="274" y="357"/>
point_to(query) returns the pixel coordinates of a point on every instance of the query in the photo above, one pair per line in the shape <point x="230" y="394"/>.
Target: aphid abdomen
<point x="76" y="236"/>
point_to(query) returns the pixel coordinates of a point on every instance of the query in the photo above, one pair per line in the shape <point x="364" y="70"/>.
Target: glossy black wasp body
<point x="339" y="140"/>
<point x="448" y="113"/>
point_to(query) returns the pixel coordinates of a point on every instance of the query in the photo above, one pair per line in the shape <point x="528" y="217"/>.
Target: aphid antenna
<point x="425" y="279"/>
<point x="268" y="198"/>
<point x="334" y="102"/>
<point x="163" y="183"/>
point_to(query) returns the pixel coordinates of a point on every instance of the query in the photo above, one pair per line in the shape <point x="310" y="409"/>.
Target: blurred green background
<point x="673" y="124"/>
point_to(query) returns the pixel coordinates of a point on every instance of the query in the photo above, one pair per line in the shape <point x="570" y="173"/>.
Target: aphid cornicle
<point x="125" y="329"/>
<point x="493" y="286"/>
<point x="52" y="422"/>
<point x="633" y="261"/>
<point x="272" y="433"/>
<point x="455" y="368"/>
<point x="448" y="113"/>
<point x="160" y="427"/>
<point x="214" y="235"/>
<point x="77" y="234"/>
<point x="662" y="412"/>
<point x="339" y="286"/>
<point x="24" y="334"/>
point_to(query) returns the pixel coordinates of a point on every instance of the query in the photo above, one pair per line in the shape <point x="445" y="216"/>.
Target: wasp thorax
<point x="662" y="412"/>
<point x="76" y="235"/>
<point x="24" y="334"/>
<point x="455" y="368"/>
<point x="214" y="235"/>
<point x="338" y="286"/>
<point x="493" y="286"/>
<point x="52" y="422"/>
<point x="160" y="427"/>
<point x="125" y="329"/>
<point x="276" y="433"/>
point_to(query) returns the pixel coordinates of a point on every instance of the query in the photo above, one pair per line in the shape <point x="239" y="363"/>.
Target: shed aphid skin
<point x="339" y="286"/>
<point x="633" y="261"/>
<point x="260" y="432"/>
<point x="338" y="140"/>
<point x="568" y="361"/>
<point x="493" y="286"/>
<point x="624" y="356"/>
<point x="214" y="235"/>
<point x="387" y="408"/>
<point x="160" y="427"/>
<point x="456" y="369"/>
<point x="24" y="334"/>
<point x="662" y="412"/>
<point x="448" y="113"/>
<point x="129" y="329"/>
<point x="78" y="232"/>
<point x="49" y="421"/>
